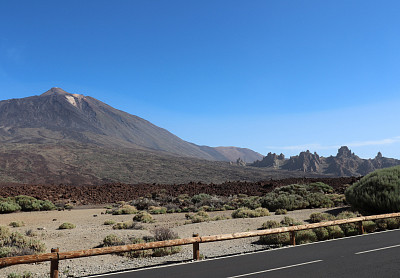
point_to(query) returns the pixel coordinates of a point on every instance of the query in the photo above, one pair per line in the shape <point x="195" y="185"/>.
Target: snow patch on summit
<point x="71" y="100"/>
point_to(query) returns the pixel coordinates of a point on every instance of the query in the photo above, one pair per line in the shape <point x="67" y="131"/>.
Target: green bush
<point x="320" y="187"/>
<point x="369" y="226"/>
<point x="347" y="214"/>
<point x="322" y="233"/>
<point x="377" y="192"/>
<point x="201" y="198"/>
<point x="251" y="202"/>
<point x="387" y="224"/>
<point x="249" y="213"/>
<point x="123" y="225"/>
<point x="305" y="236"/>
<point x="16" y="244"/>
<point x="24" y="203"/>
<point x="66" y="225"/>
<point x="297" y="196"/>
<point x="319" y="217"/>
<point x="143" y="217"/>
<point x="124" y="209"/>
<point x="112" y="240"/>
<point x="160" y="234"/>
<point x="287" y="221"/>
<point x="198" y="217"/>
<point x="16" y="224"/>
<point x="109" y="222"/>
<point x="319" y="200"/>
<point x="349" y="229"/>
<point x="26" y="274"/>
<point x="337" y="199"/>
<point x="9" y="206"/>
<point x="157" y="210"/>
<point x="27" y="203"/>
<point x="46" y="205"/>
<point x="335" y="232"/>
<point x="381" y="224"/>
<point x="280" y="211"/>
<point x="274" y="239"/>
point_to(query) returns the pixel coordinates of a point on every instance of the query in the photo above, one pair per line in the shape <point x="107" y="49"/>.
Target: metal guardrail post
<point x="196" y="249"/>
<point x="54" y="264"/>
<point x="292" y="236"/>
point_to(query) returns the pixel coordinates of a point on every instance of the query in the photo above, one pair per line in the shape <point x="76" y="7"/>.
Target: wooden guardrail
<point x="55" y="256"/>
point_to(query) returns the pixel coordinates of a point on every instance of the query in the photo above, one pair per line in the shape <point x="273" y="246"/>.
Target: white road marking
<point x="378" y="249"/>
<point x="273" y="269"/>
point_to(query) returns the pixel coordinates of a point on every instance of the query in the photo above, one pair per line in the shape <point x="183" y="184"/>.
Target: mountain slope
<point x="57" y="115"/>
<point x="88" y="164"/>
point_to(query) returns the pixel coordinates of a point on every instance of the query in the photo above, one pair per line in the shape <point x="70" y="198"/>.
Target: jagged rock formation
<point x="305" y="162"/>
<point x="240" y="162"/>
<point x="271" y="160"/>
<point x="345" y="163"/>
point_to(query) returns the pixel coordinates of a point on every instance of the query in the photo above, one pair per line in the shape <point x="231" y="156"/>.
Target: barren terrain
<point x="90" y="232"/>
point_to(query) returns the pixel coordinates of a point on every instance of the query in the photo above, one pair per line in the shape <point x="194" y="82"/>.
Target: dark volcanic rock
<point x="305" y="162"/>
<point x="271" y="160"/>
<point x="114" y="192"/>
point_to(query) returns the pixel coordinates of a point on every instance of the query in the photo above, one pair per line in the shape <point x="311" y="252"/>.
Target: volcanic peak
<point x="59" y="91"/>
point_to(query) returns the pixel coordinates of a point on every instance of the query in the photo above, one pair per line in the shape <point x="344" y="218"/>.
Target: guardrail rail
<point x="55" y="256"/>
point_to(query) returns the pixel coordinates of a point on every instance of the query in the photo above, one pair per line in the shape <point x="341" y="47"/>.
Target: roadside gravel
<point x="90" y="232"/>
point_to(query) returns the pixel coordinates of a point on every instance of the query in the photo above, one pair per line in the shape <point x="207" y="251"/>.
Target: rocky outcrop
<point x="345" y="163"/>
<point x="304" y="162"/>
<point x="272" y="160"/>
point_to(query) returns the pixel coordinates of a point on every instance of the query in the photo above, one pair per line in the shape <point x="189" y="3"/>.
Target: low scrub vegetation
<point x="67" y="226"/>
<point x="321" y="216"/>
<point x="109" y="222"/>
<point x="250" y="213"/>
<point x="16" y="244"/>
<point x="143" y="217"/>
<point x="280" y="211"/>
<point x="159" y="234"/>
<point x="24" y="203"/>
<point x="26" y="274"/>
<point x="324" y="233"/>
<point x="16" y="224"/>
<point x="198" y="217"/>
<point x="202" y="216"/>
<point x="123" y="209"/>
<point x="128" y="225"/>
<point x="301" y="196"/>
<point x="283" y="199"/>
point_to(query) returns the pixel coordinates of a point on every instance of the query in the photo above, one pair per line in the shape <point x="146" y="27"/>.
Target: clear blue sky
<point x="279" y="76"/>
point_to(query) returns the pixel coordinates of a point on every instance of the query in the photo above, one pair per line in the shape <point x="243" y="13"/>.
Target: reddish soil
<point x="110" y="193"/>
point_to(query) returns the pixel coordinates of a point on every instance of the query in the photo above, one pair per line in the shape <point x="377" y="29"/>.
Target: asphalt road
<point x="372" y="255"/>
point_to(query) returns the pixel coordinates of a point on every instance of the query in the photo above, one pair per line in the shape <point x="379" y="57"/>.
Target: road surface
<point x="371" y="255"/>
